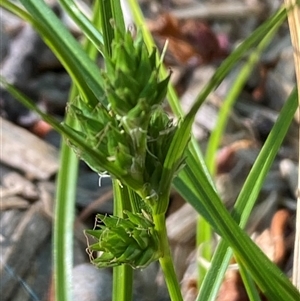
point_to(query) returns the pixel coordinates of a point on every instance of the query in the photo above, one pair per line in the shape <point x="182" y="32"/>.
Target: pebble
<point x="91" y="284"/>
<point x="289" y="171"/>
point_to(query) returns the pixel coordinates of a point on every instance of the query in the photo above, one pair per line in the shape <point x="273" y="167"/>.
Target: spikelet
<point x="128" y="127"/>
<point x="132" y="240"/>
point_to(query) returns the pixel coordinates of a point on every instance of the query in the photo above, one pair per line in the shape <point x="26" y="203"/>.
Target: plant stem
<point x="166" y="261"/>
<point x="122" y="275"/>
<point x="64" y="217"/>
<point x="293" y="7"/>
<point x="203" y="239"/>
<point x="122" y="283"/>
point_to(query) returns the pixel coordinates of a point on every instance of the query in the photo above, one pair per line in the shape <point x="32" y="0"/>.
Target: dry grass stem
<point x="294" y="24"/>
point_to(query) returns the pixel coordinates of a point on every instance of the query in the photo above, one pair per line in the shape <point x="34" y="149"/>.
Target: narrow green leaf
<point x="64" y="222"/>
<point x="173" y="160"/>
<point x="117" y="14"/>
<point x="106" y="25"/>
<point x="184" y="186"/>
<point x="249" y="284"/>
<point x="17" y="10"/>
<point x="232" y="95"/>
<point x="269" y="278"/>
<point x="249" y="194"/>
<point x="215" y="209"/>
<point x="87" y="27"/>
<point x="220" y="126"/>
<point x="65" y="204"/>
<point x="258" y="173"/>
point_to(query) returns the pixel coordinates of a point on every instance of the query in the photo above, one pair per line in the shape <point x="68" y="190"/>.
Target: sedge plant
<point x="117" y="125"/>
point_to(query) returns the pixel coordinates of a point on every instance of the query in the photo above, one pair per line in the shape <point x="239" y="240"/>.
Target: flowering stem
<point x="122" y="283"/>
<point x="122" y="275"/>
<point x="166" y="261"/>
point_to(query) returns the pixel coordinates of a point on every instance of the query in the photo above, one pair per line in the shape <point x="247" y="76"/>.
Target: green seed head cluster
<point x="128" y="126"/>
<point x="132" y="80"/>
<point x="132" y="240"/>
<point x="130" y="136"/>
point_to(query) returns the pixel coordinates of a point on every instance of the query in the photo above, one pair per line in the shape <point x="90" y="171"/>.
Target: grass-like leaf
<point x="268" y="277"/>
<point x="106" y="24"/>
<point x="64" y="222"/>
<point x="218" y="131"/>
<point x="117" y="13"/>
<point x="173" y="160"/>
<point x="249" y="284"/>
<point x="87" y="27"/>
<point x="213" y="207"/>
<point x="232" y="95"/>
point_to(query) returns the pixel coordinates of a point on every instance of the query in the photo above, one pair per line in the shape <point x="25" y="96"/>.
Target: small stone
<point x="91" y="284"/>
<point x="289" y="171"/>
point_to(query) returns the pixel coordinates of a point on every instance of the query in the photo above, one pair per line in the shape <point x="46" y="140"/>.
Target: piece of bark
<point x="15" y="184"/>
<point x="190" y="42"/>
<point x="183" y="231"/>
<point x="13" y="202"/>
<point x="182" y="236"/>
<point x="23" y="234"/>
<point x="26" y="152"/>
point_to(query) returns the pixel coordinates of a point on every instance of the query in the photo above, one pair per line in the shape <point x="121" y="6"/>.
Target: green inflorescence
<point x="132" y="240"/>
<point x="132" y="134"/>
<point x="128" y="126"/>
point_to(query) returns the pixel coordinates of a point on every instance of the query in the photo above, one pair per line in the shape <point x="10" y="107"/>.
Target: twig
<point x="220" y="10"/>
<point x="94" y="205"/>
